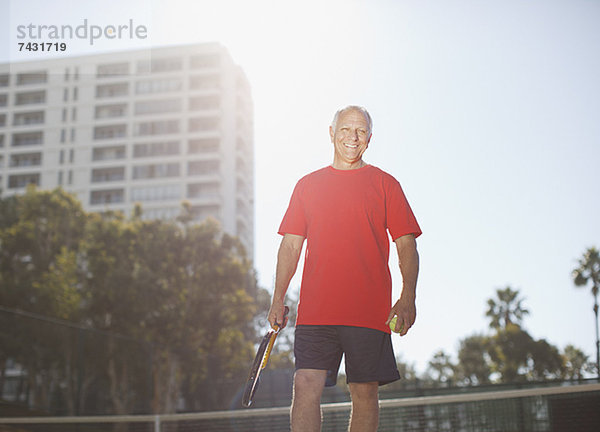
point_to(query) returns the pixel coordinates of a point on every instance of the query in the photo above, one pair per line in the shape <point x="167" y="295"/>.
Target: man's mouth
<point x="352" y="146"/>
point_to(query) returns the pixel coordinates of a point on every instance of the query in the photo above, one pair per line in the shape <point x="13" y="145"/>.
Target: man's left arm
<point x="408" y="259"/>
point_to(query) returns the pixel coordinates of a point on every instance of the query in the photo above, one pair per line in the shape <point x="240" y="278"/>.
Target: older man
<point x="345" y="212"/>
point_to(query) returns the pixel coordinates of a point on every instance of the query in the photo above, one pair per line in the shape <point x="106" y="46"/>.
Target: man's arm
<point x="408" y="259"/>
<point x="287" y="262"/>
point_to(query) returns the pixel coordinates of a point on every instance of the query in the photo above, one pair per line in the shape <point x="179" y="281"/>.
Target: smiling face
<point x="350" y="139"/>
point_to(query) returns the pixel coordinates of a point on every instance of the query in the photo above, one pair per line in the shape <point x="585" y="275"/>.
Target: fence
<point x="561" y="408"/>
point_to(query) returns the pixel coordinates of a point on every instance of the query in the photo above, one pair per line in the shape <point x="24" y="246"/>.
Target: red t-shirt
<point x="345" y="216"/>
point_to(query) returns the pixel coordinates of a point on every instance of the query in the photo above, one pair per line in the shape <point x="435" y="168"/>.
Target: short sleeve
<point x="294" y="220"/>
<point x="399" y="215"/>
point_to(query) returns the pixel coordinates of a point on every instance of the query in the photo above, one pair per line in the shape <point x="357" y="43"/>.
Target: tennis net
<point x="561" y="408"/>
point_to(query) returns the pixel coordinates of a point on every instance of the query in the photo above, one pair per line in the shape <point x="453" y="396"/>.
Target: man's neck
<point x="348" y="166"/>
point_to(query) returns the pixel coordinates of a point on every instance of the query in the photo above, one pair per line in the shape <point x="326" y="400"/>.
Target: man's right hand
<point x="277" y="315"/>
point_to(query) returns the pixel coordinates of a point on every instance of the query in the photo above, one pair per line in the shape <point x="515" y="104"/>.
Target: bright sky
<point x="486" y="112"/>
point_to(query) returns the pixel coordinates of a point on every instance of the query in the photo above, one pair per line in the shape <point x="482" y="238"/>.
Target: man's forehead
<point x="352" y="116"/>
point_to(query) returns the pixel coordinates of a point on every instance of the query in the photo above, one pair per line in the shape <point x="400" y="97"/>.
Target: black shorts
<point x="369" y="353"/>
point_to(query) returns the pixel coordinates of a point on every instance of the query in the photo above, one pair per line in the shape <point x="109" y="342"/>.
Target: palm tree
<point x="589" y="271"/>
<point x="507" y="310"/>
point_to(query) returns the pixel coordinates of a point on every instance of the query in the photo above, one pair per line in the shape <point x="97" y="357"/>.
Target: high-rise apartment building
<point x="155" y="127"/>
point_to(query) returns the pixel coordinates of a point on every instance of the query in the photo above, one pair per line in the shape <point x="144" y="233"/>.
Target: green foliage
<point x="506" y="309"/>
<point x="589" y="271"/>
<point x="179" y="297"/>
<point x="577" y="364"/>
<point x="474" y="366"/>
<point x="509" y="354"/>
<point x="440" y="370"/>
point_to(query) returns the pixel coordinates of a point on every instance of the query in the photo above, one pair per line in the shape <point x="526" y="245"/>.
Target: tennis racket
<point x="260" y="361"/>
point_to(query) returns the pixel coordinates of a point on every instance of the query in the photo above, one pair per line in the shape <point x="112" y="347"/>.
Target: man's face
<point x="350" y="139"/>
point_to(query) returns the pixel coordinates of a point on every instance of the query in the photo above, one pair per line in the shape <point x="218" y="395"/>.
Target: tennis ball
<point x="393" y="325"/>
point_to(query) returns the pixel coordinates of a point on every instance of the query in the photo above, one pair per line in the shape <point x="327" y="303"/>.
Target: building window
<point x="156" y="171"/>
<point x="3" y="100"/>
<point x="112" y="90"/>
<point x="201" y="212"/>
<point x="27" y="139"/>
<point x="28" y="118"/>
<point x="109" y="196"/>
<point x="207" y="167"/>
<point x="158" y="106"/>
<point x="204" y="190"/>
<point x="156" y="193"/>
<point x="112" y="70"/>
<point x="160" y="65"/>
<point x="4" y="80"/>
<point x="210" y="102"/>
<point x="158" y="86"/>
<point x="30" y="98"/>
<point x="110" y="131"/>
<point x="2" y="120"/>
<point x="161" y="213"/>
<point x="26" y="159"/>
<point x="201" y="124"/>
<point x="1" y="141"/>
<point x="31" y="78"/>
<point x="156" y="149"/>
<point x="202" y="61"/>
<point x="19" y="181"/>
<point x="204" y="82"/>
<point x="111" y="111"/>
<point x="159" y="127"/>
<point x="108" y="153"/>
<point x="100" y="175"/>
<point x="205" y="145"/>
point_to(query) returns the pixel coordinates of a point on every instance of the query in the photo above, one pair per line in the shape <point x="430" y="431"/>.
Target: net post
<point x="157" y="423"/>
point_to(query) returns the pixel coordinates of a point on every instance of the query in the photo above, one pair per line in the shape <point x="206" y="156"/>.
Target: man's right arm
<point x="287" y="262"/>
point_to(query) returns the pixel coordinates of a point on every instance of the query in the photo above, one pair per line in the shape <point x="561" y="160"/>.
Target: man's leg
<point x="365" y="407"/>
<point x="306" y="401"/>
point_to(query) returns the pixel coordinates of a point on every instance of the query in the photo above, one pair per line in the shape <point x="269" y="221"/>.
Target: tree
<point x="588" y="272"/>
<point x="508" y="309"/>
<point x="473" y="366"/>
<point x="440" y="368"/>
<point x="140" y="302"/>
<point x="545" y="362"/>
<point x="40" y="233"/>
<point x="509" y="353"/>
<point x="576" y="363"/>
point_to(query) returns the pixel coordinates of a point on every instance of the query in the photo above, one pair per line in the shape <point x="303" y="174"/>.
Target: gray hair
<point x="357" y="108"/>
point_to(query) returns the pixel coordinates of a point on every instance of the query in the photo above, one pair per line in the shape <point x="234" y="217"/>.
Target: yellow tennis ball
<point x="393" y="325"/>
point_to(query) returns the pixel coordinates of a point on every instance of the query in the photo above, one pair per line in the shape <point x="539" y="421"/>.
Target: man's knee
<point x="309" y="382"/>
<point x="364" y="392"/>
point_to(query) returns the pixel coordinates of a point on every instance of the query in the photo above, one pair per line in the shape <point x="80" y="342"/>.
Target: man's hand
<point x="406" y="311"/>
<point x="277" y="315"/>
<point x="408" y="259"/>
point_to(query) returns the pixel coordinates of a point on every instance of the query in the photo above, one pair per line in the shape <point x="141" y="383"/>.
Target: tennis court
<point x="559" y="408"/>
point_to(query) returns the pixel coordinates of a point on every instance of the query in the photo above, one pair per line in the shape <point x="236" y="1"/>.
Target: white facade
<point x="154" y="127"/>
